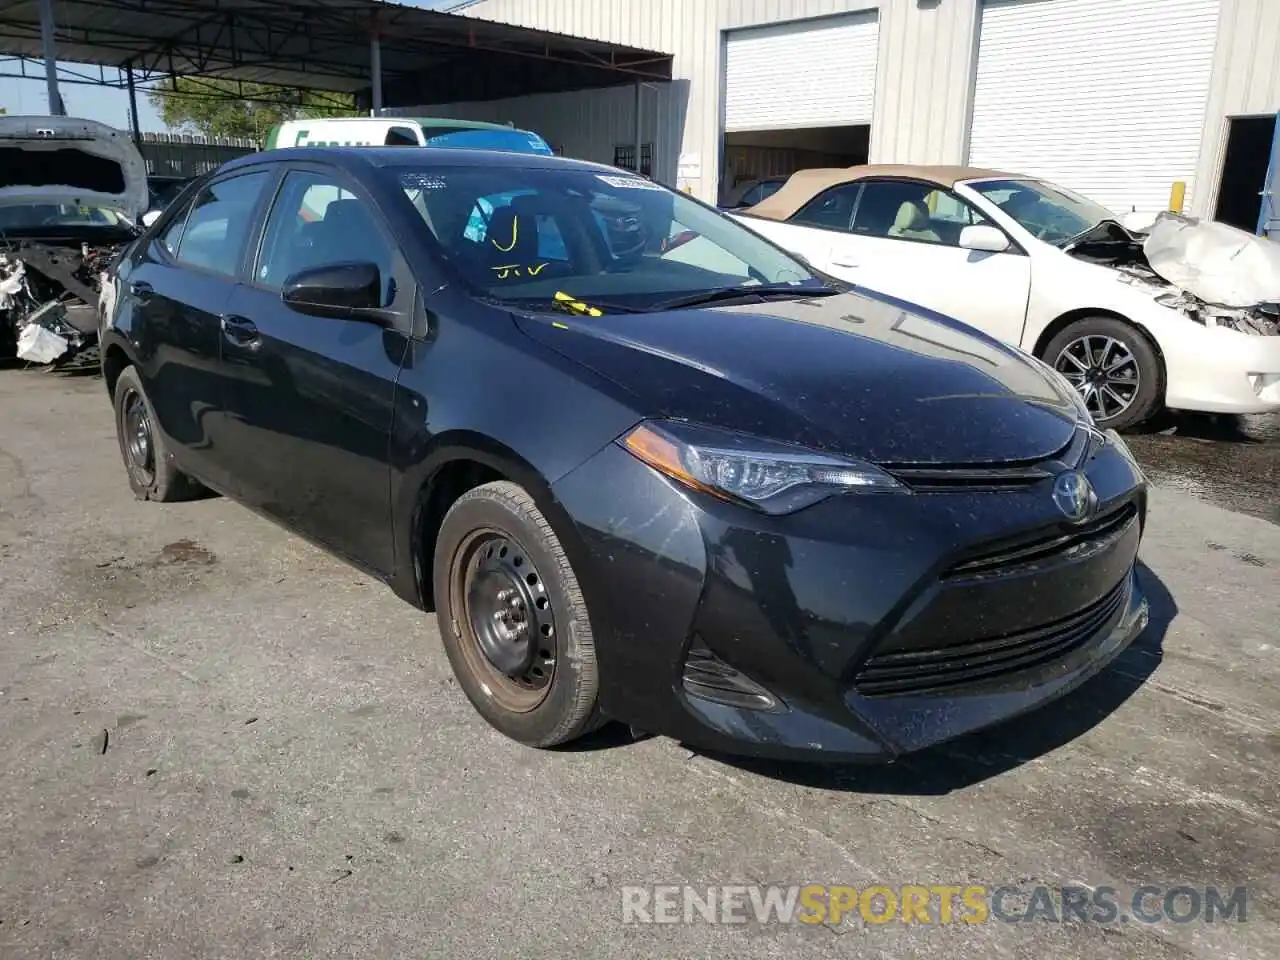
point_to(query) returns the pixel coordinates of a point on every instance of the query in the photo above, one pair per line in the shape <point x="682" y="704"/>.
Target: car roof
<point x="353" y="158"/>
<point x="804" y="185"/>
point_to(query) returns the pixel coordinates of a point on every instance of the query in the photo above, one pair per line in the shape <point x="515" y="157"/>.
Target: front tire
<point x="1114" y="367"/>
<point x="513" y="618"/>
<point x="152" y="472"/>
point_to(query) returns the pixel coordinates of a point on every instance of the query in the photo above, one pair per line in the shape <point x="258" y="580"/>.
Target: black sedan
<point x="642" y="463"/>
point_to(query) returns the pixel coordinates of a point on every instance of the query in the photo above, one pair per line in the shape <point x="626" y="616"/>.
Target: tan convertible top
<point x="804" y="185"/>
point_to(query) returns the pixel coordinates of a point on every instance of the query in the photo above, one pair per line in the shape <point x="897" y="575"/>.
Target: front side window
<point x="215" y="233"/>
<point x="907" y="210"/>
<point x="521" y="233"/>
<point x="316" y="222"/>
<point x="832" y="209"/>
<point x="1046" y="211"/>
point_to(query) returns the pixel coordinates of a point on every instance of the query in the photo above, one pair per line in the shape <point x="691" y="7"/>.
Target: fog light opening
<point x="707" y="677"/>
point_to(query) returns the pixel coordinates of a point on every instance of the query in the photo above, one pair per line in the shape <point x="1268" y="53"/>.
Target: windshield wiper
<point x="740" y="292"/>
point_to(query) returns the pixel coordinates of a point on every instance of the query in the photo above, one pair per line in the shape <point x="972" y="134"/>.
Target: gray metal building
<point x="1118" y="99"/>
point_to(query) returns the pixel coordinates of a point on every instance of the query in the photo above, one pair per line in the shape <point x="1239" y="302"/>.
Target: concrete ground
<point x="219" y="742"/>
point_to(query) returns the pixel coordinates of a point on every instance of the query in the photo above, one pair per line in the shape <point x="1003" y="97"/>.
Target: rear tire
<point x="1114" y="366"/>
<point x="513" y="618"/>
<point x="147" y="459"/>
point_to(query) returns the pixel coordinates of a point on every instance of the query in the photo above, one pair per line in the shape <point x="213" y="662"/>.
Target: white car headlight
<point x="770" y="476"/>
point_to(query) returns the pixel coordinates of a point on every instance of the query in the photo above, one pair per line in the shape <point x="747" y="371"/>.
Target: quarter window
<point x="316" y="222"/>
<point x="832" y="209"/>
<point x="214" y="235"/>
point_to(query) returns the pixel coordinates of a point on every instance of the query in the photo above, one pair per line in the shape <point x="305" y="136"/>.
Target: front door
<point x="1269" y="219"/>
<point x="310" y="398"/>
<point x="904" y="241"/>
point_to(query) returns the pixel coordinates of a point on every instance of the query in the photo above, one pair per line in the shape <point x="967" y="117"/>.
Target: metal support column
<point x="50" y="53"/>
<point x="639" y="126"/>
<point x="133" y="105"/>
<point x="375" y="69"/>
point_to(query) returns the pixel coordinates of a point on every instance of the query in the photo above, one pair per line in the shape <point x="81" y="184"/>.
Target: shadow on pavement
<point x="976" y="757"/>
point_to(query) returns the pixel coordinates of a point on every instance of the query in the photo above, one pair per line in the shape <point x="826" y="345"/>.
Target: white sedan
<point x="1184" y="317"/>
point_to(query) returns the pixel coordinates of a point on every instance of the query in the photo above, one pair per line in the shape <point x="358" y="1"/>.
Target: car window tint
<point x="316" y="222"/>
<point x="220" y="221"/>
<point x="903" y="210"/>
<point x="752" y="196"/>
<point x="172" y="235"/>
<point x="769" y="188"/>
<point x="832" y="208"/>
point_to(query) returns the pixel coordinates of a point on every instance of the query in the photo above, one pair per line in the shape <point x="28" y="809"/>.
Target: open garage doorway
<point x="767" y="157"/>
<point x="797" y="94"/>
<point x="1244" y="171"/>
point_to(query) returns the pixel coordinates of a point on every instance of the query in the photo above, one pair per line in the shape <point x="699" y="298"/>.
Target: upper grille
<point x="1100" y="531"/>
<point x="1005" y="476"/>
<point x="950" y="667"/>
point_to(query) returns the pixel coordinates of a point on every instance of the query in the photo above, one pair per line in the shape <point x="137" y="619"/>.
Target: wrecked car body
<point x="71" y="192"/>
<point x="1179" y="316"/>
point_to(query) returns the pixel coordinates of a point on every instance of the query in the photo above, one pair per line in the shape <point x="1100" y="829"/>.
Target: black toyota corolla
<point x="642" y="463"/>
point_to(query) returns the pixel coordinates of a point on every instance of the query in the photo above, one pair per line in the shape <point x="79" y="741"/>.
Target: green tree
<point x="230" y="108"/>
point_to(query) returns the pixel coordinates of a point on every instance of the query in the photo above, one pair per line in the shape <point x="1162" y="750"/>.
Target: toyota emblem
<point x="1075" y="496"/>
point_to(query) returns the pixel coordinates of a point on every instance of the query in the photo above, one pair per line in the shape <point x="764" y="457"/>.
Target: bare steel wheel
<point x="1113" y="366"/>
<point x="510" y="622"/>
<point x="152" y="473"/>
<point x="513" y="618"/>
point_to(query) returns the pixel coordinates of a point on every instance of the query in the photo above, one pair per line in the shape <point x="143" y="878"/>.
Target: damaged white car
<point x="1185" y="317"/>
<point x="71" y="192"/>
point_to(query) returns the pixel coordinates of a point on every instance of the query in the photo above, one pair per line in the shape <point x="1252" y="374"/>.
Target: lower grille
<point x="948" y="668"/>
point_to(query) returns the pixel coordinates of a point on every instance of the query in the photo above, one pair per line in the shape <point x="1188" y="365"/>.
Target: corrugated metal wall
<point x="1245" y="82"/>
<point x="922" y="82"/>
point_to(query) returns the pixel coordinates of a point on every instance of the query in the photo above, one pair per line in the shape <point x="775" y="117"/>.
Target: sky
<point x="103" y="104"/>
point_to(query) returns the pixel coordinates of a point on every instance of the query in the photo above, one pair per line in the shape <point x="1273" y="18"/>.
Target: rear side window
<point x="832" y="209"/>
<point x="219" y="224"/>
<point x="401" y="137"/>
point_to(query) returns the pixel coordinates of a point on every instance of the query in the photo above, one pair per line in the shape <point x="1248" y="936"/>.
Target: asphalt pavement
<point x="217" y="741"/>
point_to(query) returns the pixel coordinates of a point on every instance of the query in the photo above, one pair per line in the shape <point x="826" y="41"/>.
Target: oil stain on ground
<point x="185" y="551"/>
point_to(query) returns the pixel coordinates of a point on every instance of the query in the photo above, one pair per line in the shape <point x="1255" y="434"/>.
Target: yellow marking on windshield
<point x="515" y="235"/>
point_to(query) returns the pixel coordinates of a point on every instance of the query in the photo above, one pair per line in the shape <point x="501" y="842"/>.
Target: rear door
<point x="1269" y="219"/>
<point x="310" y="398"/>
<point x="176" y="295"/>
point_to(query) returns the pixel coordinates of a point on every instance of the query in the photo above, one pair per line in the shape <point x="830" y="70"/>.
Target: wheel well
<point x="438" y="494"/>
<point x="1064" y="321"/>
<point x="114" y="362"/>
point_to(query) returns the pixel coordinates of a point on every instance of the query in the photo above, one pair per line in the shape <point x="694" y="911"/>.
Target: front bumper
<point x="1220" y="370"/>
<point x="862" y="628"/>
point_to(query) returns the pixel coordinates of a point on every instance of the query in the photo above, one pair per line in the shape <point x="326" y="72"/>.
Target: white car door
<point x="904" y="241"/>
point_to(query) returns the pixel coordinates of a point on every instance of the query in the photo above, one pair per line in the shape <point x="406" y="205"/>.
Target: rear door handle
<point x="240" y="331"/>
<point x="141" y="291"/>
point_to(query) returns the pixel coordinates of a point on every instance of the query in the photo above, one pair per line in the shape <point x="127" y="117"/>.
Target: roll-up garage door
<point x="1106" y="97"/>
<point x="816" y="73"/>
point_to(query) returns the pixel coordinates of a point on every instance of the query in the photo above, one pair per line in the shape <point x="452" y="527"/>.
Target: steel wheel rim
<point x="139" y="446"/>
<point x="1104" y="372"/>
<point x="507" y="628"/>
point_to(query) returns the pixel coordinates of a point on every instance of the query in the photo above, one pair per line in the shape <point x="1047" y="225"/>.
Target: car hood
<point x="70" y="160"/>
<point x="866" y="376"/>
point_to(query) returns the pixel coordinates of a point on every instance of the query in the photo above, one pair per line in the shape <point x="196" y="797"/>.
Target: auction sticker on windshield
<point x="629" y="183"/>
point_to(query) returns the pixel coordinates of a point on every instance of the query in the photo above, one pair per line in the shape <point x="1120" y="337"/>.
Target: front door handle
<point x="141" y="291"/>
<point x="240" y="331"/>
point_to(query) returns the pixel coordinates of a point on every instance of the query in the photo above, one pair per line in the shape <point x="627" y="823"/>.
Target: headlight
<point x="770" y="476"/>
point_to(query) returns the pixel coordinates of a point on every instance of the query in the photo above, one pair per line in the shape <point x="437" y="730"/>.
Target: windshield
<point x="1048" y="212"/>
<point x="43" y="216"/>
<point x="526" y="235"/>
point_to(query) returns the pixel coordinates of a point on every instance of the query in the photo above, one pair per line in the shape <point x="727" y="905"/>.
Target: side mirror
<point x="150" y="217"/>
<point x="984" y="237"/>
<point x="349" y="291"/>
